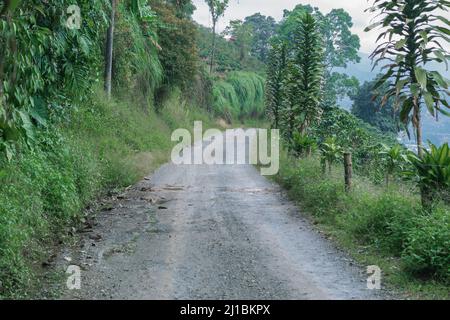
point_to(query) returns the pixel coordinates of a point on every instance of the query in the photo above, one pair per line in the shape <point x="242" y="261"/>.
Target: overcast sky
<point x="239" y="9"/>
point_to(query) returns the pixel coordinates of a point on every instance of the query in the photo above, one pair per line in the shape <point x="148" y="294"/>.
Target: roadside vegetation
<point x="63" y="142"/>
<point x="393" y="208"/>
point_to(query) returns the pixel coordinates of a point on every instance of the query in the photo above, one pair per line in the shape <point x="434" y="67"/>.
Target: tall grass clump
<point x="249" y="88"/>
<point x="240" y="94"/>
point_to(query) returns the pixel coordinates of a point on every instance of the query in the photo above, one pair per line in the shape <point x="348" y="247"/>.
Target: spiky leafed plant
<point x="304" y="83"/>
<point x="309" y="60"/>
<point x="394" y="158"/>
<point x="413" y="35"/>
<point x="289" y="113"/>
<point x="432" y="173"/>
<point x="303" y="145"/>
<point x="274" y="82"/>
<point x="331" y="152"/>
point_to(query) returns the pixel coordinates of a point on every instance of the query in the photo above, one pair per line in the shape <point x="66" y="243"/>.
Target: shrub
<point x="427" y="251"/>
<point x="239" y="94"/>
<point x="303" y="144"/>
<point x="380" y="219"/>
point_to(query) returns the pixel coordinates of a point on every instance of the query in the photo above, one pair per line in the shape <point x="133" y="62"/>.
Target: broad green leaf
<point x="415" y="90"/>
<point x="429" y="101"/>
<point x="444" y="30"/>
<point x="439" y="79"/>
<point x="440" y="55"/>
<point x="446" y="21"/>
<point x="421" y="76"/>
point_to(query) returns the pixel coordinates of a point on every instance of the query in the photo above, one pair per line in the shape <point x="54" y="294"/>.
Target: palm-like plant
<point x="275" y="74"/>
<point x="331" y="153"/>
<point x="303" y="144"/>
<point x="432" y="173"/>
<point x="394" y="158"/>
<point x="309" y="62"/>
<point x="302" y="85"/>
<point x="412" y="37"/>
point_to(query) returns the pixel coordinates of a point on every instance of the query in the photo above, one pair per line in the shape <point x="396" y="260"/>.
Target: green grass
<point x="240" y="94"/>
<point x="98" y="147"/>
<point x="377" y="225"/>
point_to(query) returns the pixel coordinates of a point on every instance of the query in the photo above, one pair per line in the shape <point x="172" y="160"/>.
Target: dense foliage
<point x="340" y="47"/>
<point x="276" y="71"/>
<point x="413" y="35"/>
<point x="178" y="51"/>
<point x="239" y="94"/>
<point x="263" y="28"/>
<point x="303" y="79"/>
<point x="365" y="107"/>
<point x="44" y="64"/>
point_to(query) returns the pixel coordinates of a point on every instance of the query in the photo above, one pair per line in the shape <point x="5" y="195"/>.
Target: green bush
<point x="322" y="196"/>
<point x="239" y="94"/>
<point x="427" y="251"/>
<point x="381" y="219"/>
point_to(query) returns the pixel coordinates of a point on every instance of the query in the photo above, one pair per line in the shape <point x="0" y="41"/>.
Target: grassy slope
<point x="373" y="223"/>
<point x="100" y="146"/>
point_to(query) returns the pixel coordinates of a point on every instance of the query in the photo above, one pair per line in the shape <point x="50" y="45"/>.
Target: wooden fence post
<point x="348" y="171"/>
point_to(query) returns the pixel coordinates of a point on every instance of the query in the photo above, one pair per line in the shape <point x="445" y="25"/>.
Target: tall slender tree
<point x="413" y="35"/>
<point x="109" y="49"/>
<point x="276" y="69"/>
<point x="340" y="48"/>
<point x="217" y="9"/>
<point x="303" y="85"/>
<point x="309" y="59"/>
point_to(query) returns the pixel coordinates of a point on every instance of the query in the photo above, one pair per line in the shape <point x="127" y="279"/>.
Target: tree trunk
<point x="213" y="48"/>
<point x="109" y="50"/>
<point x="348" y="171"/>
<point x="418" y="130"/>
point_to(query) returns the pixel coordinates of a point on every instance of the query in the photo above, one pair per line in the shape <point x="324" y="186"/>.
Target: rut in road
<point x="211" y="232"/>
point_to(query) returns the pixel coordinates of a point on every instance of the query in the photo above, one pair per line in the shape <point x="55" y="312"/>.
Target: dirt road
<point x="210" y="232"/>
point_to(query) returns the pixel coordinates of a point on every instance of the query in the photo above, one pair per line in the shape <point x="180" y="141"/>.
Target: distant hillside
<point x="437" y="132"/>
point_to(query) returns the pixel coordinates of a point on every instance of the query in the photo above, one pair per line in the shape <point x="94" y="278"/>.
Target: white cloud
<point x="239" y="9"/>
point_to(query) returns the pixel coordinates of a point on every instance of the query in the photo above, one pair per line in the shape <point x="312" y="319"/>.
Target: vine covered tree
<point x="413" y="35"/>
<point x="217" y="9"/>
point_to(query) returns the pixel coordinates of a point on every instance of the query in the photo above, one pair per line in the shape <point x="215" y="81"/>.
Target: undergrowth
<point x="98" y="146"/>
<point x="380" y="225"/>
